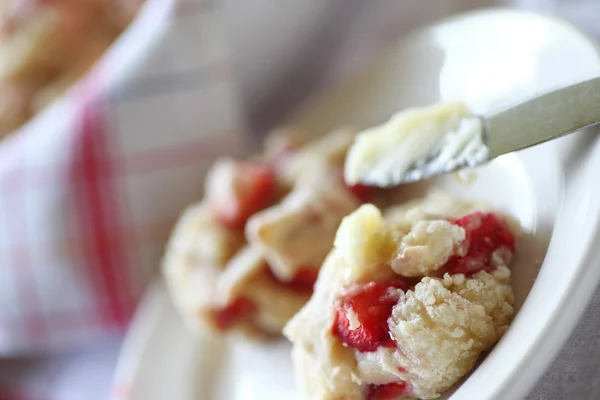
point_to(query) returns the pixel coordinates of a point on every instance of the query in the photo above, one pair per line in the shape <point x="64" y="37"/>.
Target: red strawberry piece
<point x="238" y="189"/>
<point x="235" y="312"/>
<point x="388" y="391"/>
<point x="485" y="234"/>
<point x="304" y="280"/>
<point x="362" y="192"/>
<point x="372" y="304"/>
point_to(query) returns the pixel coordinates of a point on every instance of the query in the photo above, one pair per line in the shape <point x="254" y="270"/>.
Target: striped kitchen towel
<point x="91" y="187"/>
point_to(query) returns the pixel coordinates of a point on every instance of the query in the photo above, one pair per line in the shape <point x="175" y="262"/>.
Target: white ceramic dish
<point x="489" y="59"/>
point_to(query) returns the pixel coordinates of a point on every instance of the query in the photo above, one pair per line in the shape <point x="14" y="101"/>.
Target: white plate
<point x="489" y="59"/>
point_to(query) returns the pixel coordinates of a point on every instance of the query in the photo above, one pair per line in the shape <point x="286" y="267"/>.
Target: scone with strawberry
<point x="247" y="256"/>
<point x="405" y="303"/>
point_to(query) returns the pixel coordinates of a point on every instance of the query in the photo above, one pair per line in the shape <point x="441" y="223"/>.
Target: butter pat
<point x="363" y="240"/>
<point x="444" y="135"/>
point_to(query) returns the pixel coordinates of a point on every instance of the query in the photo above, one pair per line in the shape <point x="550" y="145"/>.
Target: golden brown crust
<point x="440" y="326"/>
<point x="443" y="325"/>
<point x="426" y="247"/>
<point x="196" y="253"/>
<point x="280" y="242"/>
